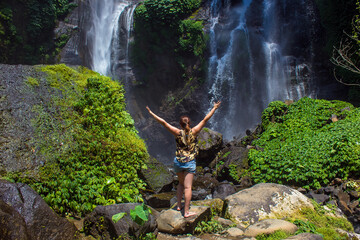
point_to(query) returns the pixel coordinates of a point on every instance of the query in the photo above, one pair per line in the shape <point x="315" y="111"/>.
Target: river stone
<point x="34" y="214"/>
<point x="305" y="236"/>
<point x="264" y="200"/>
<point x="234" y="232"/>
<point x="173" y="222"/>
<point x="268" y="226"/>
<point x="99" y="222"/>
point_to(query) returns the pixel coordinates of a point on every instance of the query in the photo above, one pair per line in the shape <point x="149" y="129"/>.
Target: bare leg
<point x="188" y="180"/>
<point x="180" y="189"/>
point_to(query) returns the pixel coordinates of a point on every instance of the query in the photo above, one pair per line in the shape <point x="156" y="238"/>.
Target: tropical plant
<point x="304" y="147"/>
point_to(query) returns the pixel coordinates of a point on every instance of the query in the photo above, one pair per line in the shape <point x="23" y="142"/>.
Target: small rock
<point x="329" y="189"/>
<point x="353" y="205"/>
<point x="354" y="194"/>
<point x="224" y="222"/>
<point x="305" y="236"/>
<point x="269" y="226"/>
<point x="319" y="198"/>
<point x="199" y="194"/>
<point x="173" y="222"/>
<point x="234" y="232"/>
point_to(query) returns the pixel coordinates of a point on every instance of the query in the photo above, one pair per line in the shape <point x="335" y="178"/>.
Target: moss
<point x="277" y="235"/>
<point x="321" y="221"/>
<point x="32" y="81"/>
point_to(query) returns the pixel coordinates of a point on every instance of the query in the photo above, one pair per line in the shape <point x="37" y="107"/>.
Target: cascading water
<point x="256" y="59"/>
<point x="111" y="23"/>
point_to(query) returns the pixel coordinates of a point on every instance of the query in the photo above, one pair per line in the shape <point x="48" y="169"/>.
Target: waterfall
<point x="256" y="58"/>
<point x="111" y="22"/>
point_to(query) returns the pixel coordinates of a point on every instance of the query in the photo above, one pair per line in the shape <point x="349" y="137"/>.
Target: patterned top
<point x="186" y="147"/>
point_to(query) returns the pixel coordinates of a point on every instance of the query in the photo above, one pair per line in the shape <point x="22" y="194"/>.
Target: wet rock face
<point x="29" y="215"/>
<point x="17" y="151"/>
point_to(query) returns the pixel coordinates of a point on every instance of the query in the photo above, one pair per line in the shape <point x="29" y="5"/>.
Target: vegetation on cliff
<point x="27" y="29"/>
<point x="166" y="29"/>
<point x="307" y="143"/>
<point x="93" y="150"/>
<point x="340" y="19"/>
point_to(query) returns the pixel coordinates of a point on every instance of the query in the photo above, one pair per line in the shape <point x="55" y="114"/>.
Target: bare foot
<point x="189" y="214"/>
<point x="178" y="208"/>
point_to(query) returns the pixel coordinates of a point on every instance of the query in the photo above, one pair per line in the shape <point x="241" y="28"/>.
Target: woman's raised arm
<point x="197" y="128"/>
<point x="175" y="131"/>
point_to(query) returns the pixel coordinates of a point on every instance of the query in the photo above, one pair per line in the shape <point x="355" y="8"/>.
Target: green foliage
<point x="93" y="150"/>
<point x="305" y="148"/>
<point x="161" y="29"/>
<point x="322" y="222"/>
<point x="211" y="226"/>
<point x="140" y="214"/>
<point x="26" y="29"/>
<point x="273" y="113"/>
<point x="277" y="235"/>
<point x="116" y="217"/>
<point x="305" y="226"/>
<point x="192" y="39"/>
<point x="165" y="12"/>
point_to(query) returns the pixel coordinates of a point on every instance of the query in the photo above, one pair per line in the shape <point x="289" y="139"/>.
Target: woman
<point x="186" y="152"/>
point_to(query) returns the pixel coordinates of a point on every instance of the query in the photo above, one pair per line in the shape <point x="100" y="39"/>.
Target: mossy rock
<point x="157" y="176"/>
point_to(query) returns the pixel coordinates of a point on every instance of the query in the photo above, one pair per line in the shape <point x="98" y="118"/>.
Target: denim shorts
<point x="188" y="166"/>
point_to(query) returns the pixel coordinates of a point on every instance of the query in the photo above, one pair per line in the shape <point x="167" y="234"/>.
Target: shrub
<point x="305" y="148"/>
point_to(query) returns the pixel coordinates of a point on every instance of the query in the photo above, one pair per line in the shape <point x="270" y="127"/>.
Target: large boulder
<point x="157" y="176"/>
<point x="210" y="142"/>
<point x="264" y="200"/>
<point x="173" y="222"/>
<point x="12" y="224"/>
<point x="29" y="217"/>
<point x="100" y="225"/>
<point x="231" y="162"/>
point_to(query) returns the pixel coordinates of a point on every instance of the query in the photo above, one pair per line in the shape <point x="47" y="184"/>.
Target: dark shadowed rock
<point x="199" y="194"/>
<point x="160" y="200"/>
<point x="99" y="222"/>
<point x="207" y="182"/>
<point x="319" y="198"/>
<point x="34" y="214"/>
<point x="12" y="225"/>
<point x="223" y="190"/>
